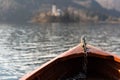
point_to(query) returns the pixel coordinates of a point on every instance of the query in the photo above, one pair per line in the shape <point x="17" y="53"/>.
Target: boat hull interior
<point x="97" y="69"/>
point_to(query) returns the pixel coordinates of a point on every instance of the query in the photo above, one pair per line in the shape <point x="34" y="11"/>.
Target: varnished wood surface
<point x="101" y="65"/>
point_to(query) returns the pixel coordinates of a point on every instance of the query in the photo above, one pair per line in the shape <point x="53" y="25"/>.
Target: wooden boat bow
<point x="100" y="62"/>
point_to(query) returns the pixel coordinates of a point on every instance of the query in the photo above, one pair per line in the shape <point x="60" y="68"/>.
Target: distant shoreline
<point x="73" y="15"/>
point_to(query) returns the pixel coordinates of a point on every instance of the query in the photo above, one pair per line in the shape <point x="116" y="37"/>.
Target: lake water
<point x="25" y="47"/>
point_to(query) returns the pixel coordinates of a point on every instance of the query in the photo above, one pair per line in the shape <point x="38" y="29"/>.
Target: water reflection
<point x="25" y="47"/>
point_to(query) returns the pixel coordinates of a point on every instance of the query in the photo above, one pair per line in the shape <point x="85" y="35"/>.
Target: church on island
<point x="54" y="15"/>
<point x="56" y="11"/>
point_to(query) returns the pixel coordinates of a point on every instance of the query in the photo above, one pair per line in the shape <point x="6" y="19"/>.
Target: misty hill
<point x="24" y="10"/>
<point x="110" y="4"/>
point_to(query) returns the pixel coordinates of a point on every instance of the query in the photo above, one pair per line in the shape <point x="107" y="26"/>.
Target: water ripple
<point x="25" y="47"/>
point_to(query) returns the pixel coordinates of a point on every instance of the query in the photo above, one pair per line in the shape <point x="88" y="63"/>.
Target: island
<point x="71" y="14"/>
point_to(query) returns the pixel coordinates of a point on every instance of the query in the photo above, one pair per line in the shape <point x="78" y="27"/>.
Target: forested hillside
<point x="24" y="10"/>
